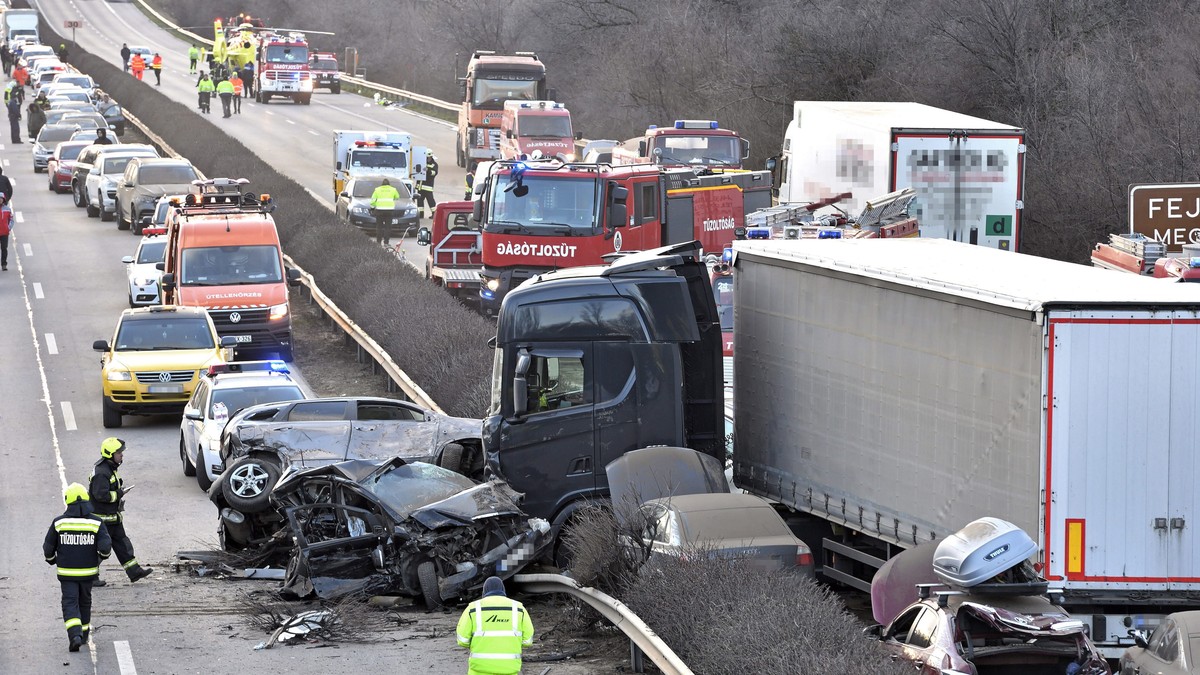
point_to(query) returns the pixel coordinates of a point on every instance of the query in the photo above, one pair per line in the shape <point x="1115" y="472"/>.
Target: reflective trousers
<point x="77" y="606"/>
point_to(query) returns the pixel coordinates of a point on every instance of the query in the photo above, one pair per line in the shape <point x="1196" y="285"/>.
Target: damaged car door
<point x="336" y="543"/>
<point x="390" y="429"/>
<point x="317" y="433"/>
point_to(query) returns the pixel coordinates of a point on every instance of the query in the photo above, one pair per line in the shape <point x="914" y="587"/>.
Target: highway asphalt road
<point x="296" y="139"/>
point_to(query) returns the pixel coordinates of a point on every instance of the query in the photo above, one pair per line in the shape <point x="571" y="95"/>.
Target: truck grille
<point x="221" y="317"/>
<point x="155" y="377"/>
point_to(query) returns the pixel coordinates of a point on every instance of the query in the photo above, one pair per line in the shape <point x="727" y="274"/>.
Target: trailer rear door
<point x="1121" y="429"/>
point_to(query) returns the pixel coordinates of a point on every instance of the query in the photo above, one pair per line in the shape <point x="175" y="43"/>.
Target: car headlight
<point x="144" y="281"/>
<point x="119" y="376"/>
<point x="279" y="311"/>
<point x="493" y="284"/>
<point x="360" y="210"/>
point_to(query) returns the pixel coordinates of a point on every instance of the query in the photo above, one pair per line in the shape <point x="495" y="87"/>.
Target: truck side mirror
<point x="521" y="385"/>
<point x="337" y="166"/>
<point x="477" y="210"/>
<point x="641" y="148"/>
<point x="771" y="163"/>
<point x="168" y="280"/>
<point x="508" y="133"/>
<point x="424" y="236"/>
<point x="579" y="135"/>
<point x="552" y="94"/>
<point x="745" y="148"/>
<point x="618" y="213"/>
<point x="462" y="89"/>
<point x="293" y="276"/>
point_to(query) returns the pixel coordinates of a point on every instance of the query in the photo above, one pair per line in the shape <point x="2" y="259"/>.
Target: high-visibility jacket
<point x="238" y="85"/>
<point x="106" y="489"/>
<point x="384" y="197"/>
<point x="76" y="543"/>
<point x="138" y="63"/>
<point x="495" y="629"/>
<point x="224" y="87"/>
<point x="193" y="54"/>
<point x="156" y="63"/>
<point x="205" y="85"/>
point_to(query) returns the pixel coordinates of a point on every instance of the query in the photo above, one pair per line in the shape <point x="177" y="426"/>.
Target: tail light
<point x="804" y="557"/>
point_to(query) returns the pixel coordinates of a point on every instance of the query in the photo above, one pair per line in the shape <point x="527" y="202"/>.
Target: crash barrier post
<point x="377" y="353"/>
<point x="642" y="638"/>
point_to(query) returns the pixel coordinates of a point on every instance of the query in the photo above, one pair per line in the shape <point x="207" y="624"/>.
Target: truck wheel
<point x="337" y="89"/>
<point x="306" y="100"/>
<point x="248" y="487"/>
<point x="266" y="98"/>
<point x="458" y="153"/>
<point x="202" y="472"/>
<point x="189" y="469"/>
<point x="451" y="457"/>
<point x="112" y="416"/>
<point x="427" y="576"/>
<point x="258" y="97"/>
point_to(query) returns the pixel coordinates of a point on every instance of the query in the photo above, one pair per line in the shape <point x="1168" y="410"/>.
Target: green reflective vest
<point x="225" y="87"/>
<point x="384" y="197"/>
<point x="495" y="629"/>
<point x="205" y="85"/>
<point x="194" y="54"/>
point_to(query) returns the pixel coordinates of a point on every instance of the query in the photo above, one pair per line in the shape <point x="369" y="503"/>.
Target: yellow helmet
<point x="75" y="492"/>
<point x="111" y="446"/>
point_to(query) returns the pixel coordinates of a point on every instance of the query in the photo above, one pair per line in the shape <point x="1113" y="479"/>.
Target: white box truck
<point x="19" y="24"/>
<point x="968" y="172"/>
<point x="891" y="392"/>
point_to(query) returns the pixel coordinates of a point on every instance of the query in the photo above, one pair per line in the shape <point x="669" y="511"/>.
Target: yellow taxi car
<point x="154" y="361"/>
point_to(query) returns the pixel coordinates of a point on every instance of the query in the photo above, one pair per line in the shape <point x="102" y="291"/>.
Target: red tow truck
<point x="541" y="216"/>
<point x="455" y="249"/>
<point x="690" y="143"/>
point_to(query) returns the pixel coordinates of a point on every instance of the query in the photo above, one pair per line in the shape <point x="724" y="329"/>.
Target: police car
<point x="142" y="270"/>
<point x="224" y="390"/>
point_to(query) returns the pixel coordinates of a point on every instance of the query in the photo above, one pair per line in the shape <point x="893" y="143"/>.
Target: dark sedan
<point x="390" y="526"/>
<point x="354" y="204"/>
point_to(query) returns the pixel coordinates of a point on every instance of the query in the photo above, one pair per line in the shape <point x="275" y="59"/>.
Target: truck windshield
<point x="553" y="205"/>
<point x="230" y="265"/>
<point x="287" y="54"/>
<point x="378" y="159"/>
<point x="693" y="150"/>
<point x="548" y="126"/>
<point x="492" y="93"/>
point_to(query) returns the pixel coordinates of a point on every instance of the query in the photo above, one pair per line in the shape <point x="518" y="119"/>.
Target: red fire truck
<point x="690" y="143"/>
<point x="540" y="216"/>
<point x="455" y="249"/>
<point x="491" y="80"/>
<point x="281" y="67"/>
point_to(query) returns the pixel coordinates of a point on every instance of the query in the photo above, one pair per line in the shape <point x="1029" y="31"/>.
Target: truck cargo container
<point x="968" y="172"/>
<point x="892" y="392"/>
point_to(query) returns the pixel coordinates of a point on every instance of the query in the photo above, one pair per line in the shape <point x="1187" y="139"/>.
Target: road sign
<point x="72" y="24"/>
<point x="1166" y="212"/>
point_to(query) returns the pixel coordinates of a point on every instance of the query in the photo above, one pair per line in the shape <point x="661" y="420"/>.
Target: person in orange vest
<point x="21" y="75"/>
<point x="156" y="66"/>
<point x="238" y="88"/>
<point x="138" y="65"/>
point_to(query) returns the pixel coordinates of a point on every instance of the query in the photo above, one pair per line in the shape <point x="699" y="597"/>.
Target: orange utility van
<point x="223" y="254"/>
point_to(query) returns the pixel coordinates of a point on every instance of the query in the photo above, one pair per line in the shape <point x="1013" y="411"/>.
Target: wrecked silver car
<point x="261" y="441"/>
<point x="387" y="526"/>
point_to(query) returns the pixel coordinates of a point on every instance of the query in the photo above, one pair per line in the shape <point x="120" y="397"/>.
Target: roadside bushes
<point x="440" y="343"/>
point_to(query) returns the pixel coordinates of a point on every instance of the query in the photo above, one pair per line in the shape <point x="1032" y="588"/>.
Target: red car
<point x="62" y="163"/>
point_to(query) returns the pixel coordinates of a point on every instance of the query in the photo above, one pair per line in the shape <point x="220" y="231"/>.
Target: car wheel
<point x="337" y="89"/>
<point x="122" y="224"/>
<point x="112" y="416"/>
<point x="77" y="195"/>
<point x="137" y="224"/>
<point x="50" y="182"/>
<point x="130" y="296"/>
<point x="189" y="469"/>
<point x="451" y="457"/>
<point x="92" y="211"/>
<point x="248" y="486"/>
<point x="202" y="472"/>
<point x="427" y="576"/>
<point x="103" y="215"/>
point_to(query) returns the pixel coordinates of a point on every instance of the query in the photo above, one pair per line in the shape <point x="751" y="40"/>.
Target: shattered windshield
<point x="552" y="205"/>
<point x="409" y="487"/>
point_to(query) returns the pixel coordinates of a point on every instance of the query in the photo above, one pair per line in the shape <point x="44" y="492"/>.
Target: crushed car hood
<point x="486" y="500"/>
<point x="1028" y="615"/>
<point x="313" y="444"/>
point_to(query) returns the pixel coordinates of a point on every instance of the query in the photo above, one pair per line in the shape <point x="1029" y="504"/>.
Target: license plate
<point x="166" y="389"/>
<point x="243" y="338"/>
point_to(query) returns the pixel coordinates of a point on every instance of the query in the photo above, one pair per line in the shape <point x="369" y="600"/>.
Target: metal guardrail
<point x="640" y="635"/>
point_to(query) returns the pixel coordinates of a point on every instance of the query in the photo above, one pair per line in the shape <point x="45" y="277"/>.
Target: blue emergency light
<point x="695" y="124"/>
<point x="758" y="233"/>
<point x="829" y="234"/>
<point x="486" y="294"/>
<point x="727" y="254"/>
<point x="273" y="366"/>
<point x="1194" y="263"/>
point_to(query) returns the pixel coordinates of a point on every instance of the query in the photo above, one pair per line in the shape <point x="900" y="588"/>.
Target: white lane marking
<point x="6" y="162"/>
<point x="37" y="355"/>
<point x="51" y="343"/>
<point x="68" y="416"/>
<point x="124" y="657"/>
<point x="28" y="250"/>
<point x="289" y="121"/>
<point x="314" y="133"/>
<point x="37" y="291"/>
<point x="268" y="112"/>
<point x="18" y="216"/>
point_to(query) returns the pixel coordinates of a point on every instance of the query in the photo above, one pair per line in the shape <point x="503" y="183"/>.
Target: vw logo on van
<point x="164" y="377"/>
<point x="235" y="317"/>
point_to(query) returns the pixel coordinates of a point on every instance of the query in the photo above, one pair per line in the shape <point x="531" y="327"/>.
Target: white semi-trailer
<point x="968" y="172"/>
<point x="893" y="391"/>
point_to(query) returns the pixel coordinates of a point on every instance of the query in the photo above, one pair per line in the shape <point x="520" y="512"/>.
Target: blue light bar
<point x="279" y="366"/>
<point x="829" y="234"/>
<point x="678" y="124"/>
<point x="712" y="125"/>
<point x="652" y="126"/>
<point x="727" y="254"/>
<point x="758" y="233"/>
<point x="1194" y="262"/>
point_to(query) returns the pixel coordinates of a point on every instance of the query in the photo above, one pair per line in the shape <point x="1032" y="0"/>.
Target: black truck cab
<point x="590" y="363"/>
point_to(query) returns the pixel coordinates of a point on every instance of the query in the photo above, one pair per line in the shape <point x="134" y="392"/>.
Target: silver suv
<point x="147" y="179"/>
